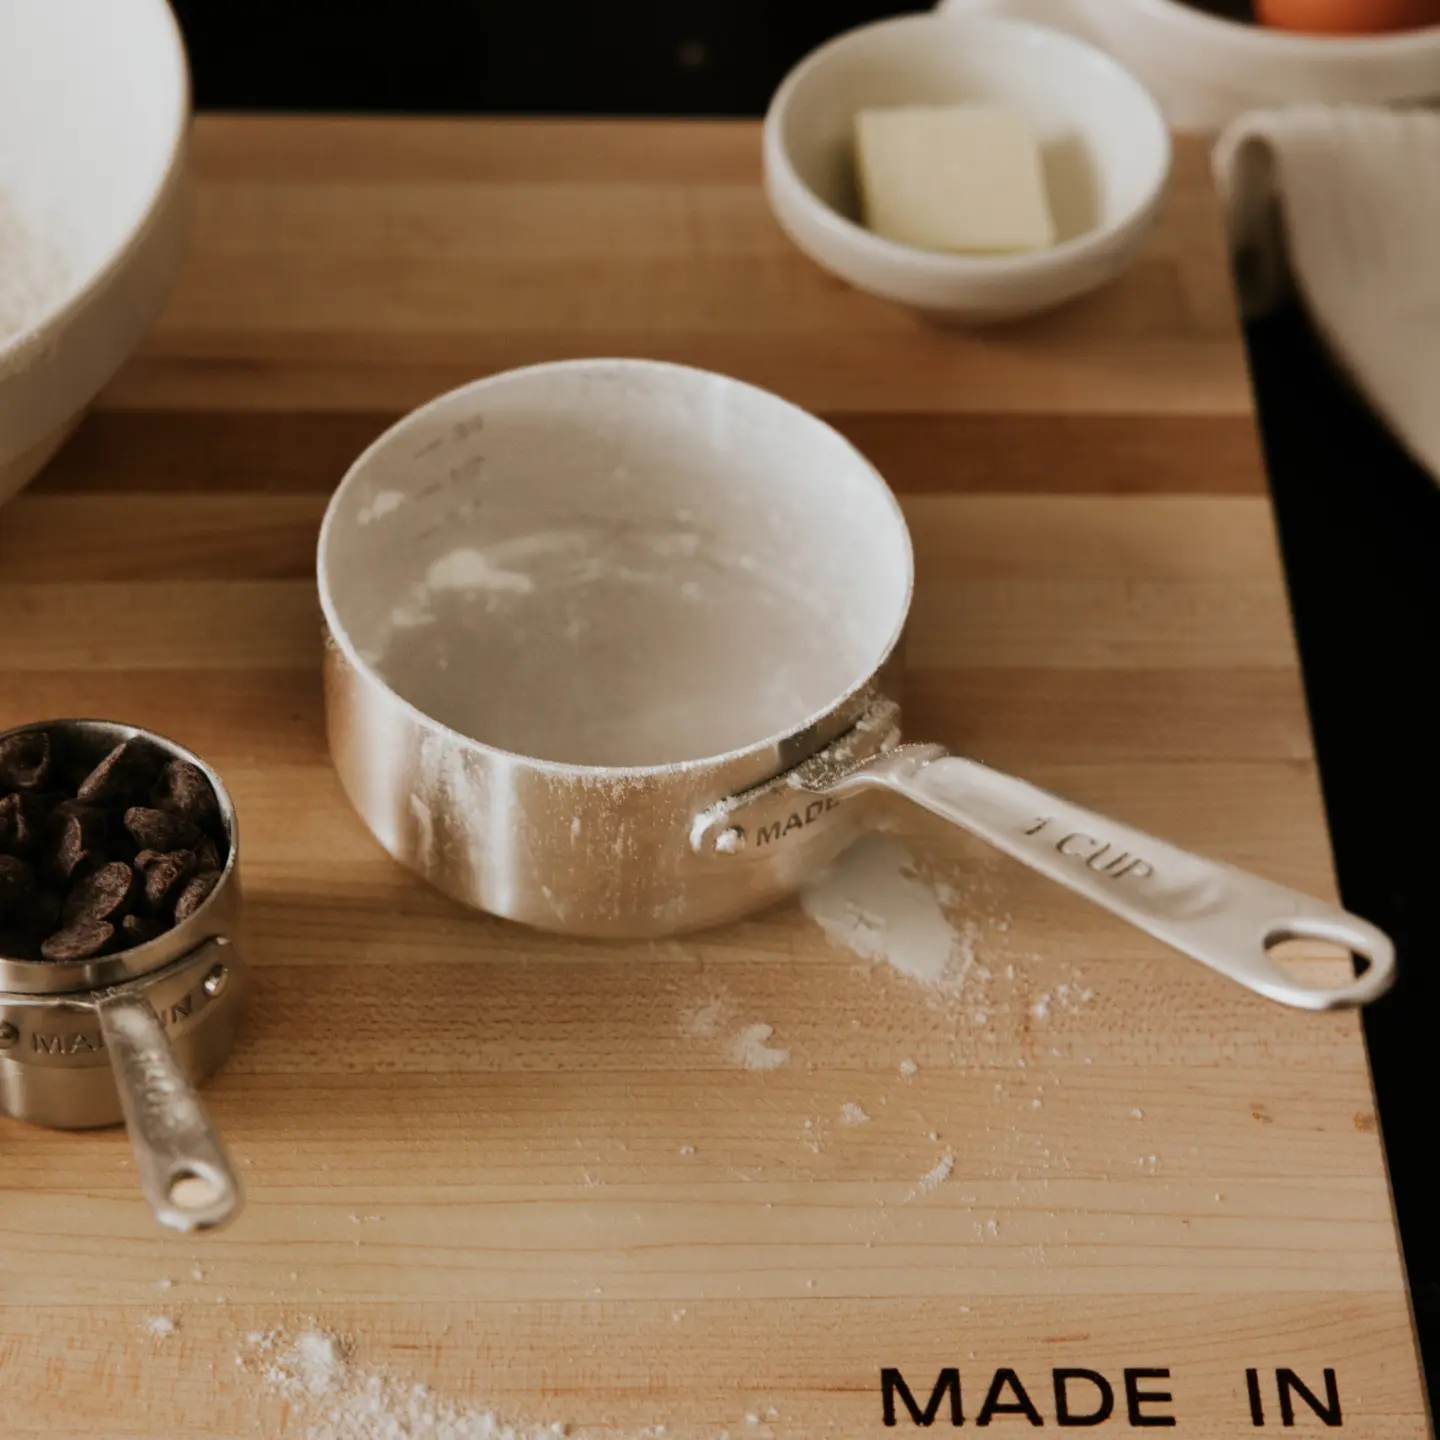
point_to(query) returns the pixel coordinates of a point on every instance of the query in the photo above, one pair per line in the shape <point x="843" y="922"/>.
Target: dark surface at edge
<point x="1359" y="527"/>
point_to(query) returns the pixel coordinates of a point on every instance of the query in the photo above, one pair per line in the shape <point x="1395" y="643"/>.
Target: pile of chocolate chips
<point x="100" y="853"/>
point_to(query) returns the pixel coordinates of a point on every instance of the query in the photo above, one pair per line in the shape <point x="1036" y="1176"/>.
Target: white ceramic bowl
<point x="1205" y="71"/>
<point x="1106" y="150"/>
<point x="94" y="105"/>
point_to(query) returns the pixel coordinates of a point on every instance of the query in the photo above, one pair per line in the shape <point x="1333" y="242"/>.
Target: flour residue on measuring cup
<point x="381" y="504"/>
<point x="615" y="566"/>
<point x="613" y="643"/>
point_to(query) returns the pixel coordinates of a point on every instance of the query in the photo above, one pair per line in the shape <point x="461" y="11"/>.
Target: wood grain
<point x="504" y="1164"/>
<point x="265" y="450"/>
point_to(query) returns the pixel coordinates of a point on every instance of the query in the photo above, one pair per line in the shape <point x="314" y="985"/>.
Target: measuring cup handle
<point x="1221" y="916"/>
<point x="184" y="1170"/>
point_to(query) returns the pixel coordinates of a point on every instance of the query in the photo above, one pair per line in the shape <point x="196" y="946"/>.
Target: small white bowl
<point x="1105" y="143"/>
<point x="94" y="108"/>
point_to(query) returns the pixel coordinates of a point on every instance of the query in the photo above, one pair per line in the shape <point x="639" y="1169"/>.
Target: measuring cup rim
<point x="339" y="636"/>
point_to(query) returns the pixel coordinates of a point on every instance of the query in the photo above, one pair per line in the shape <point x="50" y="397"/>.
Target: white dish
<point x="1205" y="71"/>
<point x="94" y="105"/>
<point x="1105" y="144"/>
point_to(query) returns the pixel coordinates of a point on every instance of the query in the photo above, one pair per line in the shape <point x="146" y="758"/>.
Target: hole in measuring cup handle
<point x="770" y="817"/>
<point x="1325" y="962"/>
<point x="1320" y="964"/>
<point x="195" y="1188"/>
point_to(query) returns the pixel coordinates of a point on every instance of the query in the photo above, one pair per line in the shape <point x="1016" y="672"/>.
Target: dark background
<point x="1359" y="522"/>
<point x="675" y="57"/>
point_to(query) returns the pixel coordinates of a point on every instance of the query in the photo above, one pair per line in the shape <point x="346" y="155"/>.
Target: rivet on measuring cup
<point x="214" y="982"/>
<point x="8" y="1035"/>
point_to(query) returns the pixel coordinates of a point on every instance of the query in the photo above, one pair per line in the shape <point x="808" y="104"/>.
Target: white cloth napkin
<point x="1343" y="203"/>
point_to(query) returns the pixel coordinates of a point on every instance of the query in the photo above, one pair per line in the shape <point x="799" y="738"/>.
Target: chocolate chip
<point x="94" y="818"/>
<point x="80" y="845"/>
<point x="183" y="790"/>
<point x="104" y="894"/>
<point x="19" y="835"/>
<point x="195" y="894"/>
<point x="17" y="889"/>
<point x="26" y="760"/>
<point x="160" y="830"/>
<point x="137" y="929"/>
<point x="96" y="857"/>
<point x="163" y="875"/>
<point x="123" y="777"/>
<point x="83" y="940"/>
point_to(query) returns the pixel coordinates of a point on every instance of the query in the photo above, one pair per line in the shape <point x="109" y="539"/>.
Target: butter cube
<point x="964" y="178"/>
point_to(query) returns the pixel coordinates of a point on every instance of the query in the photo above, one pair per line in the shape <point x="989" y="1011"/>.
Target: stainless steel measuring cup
<point x="613" y="648"/>
<point x="126" y="1036"/>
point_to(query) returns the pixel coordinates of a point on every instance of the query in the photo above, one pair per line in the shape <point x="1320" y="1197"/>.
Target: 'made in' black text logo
<point x="1077" y="1398"/>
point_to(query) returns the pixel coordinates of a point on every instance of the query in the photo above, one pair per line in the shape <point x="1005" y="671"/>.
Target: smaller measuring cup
<point x="126" y="1036"/>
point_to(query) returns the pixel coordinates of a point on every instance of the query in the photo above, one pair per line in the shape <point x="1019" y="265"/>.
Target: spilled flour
<point x="316" y="1372"/>
<point x="313" y="1362"/>
<point x="752" y="1049"/>
<point x="708" y="1019"/>
<point x="747" y="1046"/>
<point x="934" y="1178"/>
<point x="951" y="944"/>
<point x="873" y="900"/>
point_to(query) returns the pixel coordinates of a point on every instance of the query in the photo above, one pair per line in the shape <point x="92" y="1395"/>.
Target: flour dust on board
<point x="881" y="903"/>
<point x="876" y="901"/>
<point x="316" y="1372"/>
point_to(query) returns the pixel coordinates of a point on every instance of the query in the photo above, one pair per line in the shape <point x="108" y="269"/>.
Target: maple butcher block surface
<point x="531" y="1173"/>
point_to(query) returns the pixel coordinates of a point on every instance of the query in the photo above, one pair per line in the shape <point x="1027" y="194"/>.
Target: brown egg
<point x="1347" y="17"/>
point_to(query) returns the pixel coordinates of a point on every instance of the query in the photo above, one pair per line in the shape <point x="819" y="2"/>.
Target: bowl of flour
<point x="94" y="111"/>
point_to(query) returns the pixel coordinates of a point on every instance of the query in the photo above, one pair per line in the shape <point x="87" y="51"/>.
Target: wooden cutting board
<point x="528" y="1173"/>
